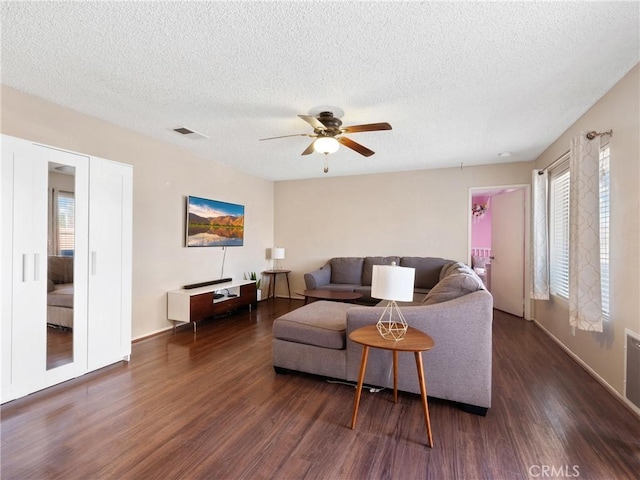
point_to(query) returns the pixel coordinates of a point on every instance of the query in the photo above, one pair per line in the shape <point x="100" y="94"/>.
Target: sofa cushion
<point x="453" y="286"/>
<point x="421" y="291"/>
<point x="427" y="269"/>
<point x="347" y="270"/>
<point x="341" y="287"/>
<point x="369" y="262"/>
<point x="363" y="289"/>
<point x="320" y="323"/>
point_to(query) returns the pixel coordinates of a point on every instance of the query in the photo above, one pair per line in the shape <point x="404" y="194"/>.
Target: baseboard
<point x="151" y="334"/>
<point x="632" y="408"/>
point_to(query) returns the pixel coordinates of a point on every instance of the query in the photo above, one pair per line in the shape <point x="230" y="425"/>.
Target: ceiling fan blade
<point x="313" y="121"/>
<point x="309" y="149"/>
<point x="370" y="127"/>
<point x="362" y="150"/>
<point x="285" y="136"/>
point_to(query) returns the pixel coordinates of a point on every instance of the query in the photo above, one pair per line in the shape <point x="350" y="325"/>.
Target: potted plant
<point x="254" y="276"/>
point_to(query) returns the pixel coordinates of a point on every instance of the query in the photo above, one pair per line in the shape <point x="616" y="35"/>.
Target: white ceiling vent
<point x="187" y="132"/>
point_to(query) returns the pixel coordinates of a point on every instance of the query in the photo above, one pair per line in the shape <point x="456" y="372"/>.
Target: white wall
<point x="421" y="213"/>
<point x="603" y="352"/>
<point x="163" y="175"/>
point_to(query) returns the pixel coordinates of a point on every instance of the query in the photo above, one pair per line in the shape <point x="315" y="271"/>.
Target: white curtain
<point x="585" y="297"/>
<point x="540" y="245"/>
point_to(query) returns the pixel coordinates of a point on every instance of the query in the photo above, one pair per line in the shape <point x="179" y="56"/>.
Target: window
<point x="66" y="223"/>
<point x="559" y="229"/>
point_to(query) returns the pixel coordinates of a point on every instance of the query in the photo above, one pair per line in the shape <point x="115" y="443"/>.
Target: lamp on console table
<point x="394" y="284"/>
<point x="277" y="253"/>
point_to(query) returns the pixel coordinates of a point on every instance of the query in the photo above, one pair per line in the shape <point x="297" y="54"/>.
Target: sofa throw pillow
<point x="369" y="262"/>
<point x="347" y="270"/>
<point x="454" y="267"/>
<point x="453" y="286"/>
<point x="427" y="269"/>
<point x="462" y="268"/>
<point x="446" y="269"/>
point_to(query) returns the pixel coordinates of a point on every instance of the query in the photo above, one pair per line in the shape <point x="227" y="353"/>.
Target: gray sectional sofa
<point x="353" y="274"/>
<point x="457" y="313"/>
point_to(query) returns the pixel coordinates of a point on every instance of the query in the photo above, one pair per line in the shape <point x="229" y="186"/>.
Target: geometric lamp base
<point x="394" y="326"/>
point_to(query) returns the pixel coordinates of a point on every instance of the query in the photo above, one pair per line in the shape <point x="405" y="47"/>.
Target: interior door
<point x="507" y="245"/>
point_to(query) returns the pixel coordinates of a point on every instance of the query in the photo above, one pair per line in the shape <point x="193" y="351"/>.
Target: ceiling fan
<point x="328" y="131"/>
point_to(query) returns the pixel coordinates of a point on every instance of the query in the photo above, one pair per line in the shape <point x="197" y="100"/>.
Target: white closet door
<point x="26" y="325"/>
<point x="110" y="226"/>
<point x="6" y="277"/>
<point x="80" y="163"/>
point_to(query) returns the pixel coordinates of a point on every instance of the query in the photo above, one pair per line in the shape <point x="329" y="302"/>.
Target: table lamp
<point x="392" y="283"/>
<point x="277" y="253"/>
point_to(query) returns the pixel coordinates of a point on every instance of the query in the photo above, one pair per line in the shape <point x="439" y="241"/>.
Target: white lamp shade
<point x="326" y="145"/>
<point x="277" y="253"/>
<point x="393" y="283"/>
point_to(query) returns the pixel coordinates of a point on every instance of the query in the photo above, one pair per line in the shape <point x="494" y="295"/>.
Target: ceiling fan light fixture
<point x="326" y="145"/>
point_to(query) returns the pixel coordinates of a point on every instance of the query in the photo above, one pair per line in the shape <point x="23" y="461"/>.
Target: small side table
<point x="414" y="341"/>
<point x="273" y="275"/>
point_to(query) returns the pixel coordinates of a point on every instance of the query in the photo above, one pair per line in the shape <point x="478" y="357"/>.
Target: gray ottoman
<point x="312" y="339"/>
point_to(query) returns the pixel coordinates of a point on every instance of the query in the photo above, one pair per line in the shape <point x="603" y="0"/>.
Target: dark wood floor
<point x="210" y="406"/>
<point x="59" y="346"/>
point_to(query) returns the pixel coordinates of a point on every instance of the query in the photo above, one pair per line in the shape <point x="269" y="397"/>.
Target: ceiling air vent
<point x="187" y="132"/>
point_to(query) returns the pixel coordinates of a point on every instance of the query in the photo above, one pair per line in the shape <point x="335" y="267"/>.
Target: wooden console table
<point x="192" y="305"/>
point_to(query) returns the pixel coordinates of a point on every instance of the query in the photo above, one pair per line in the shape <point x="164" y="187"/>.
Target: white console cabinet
<point x="101" y="264"/>
<point x="192" y="305"/>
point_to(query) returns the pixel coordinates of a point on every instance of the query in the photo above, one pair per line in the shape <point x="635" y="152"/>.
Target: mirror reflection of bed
<point x="60" y="266"/>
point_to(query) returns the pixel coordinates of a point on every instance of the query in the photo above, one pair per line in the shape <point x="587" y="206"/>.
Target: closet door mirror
<point x="60" y="266"/>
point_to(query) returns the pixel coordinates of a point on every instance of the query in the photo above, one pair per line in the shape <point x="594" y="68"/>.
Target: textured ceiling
<point x="459" y="82"/>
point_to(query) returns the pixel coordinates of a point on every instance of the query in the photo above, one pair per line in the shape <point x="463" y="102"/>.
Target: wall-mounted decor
<point x="211" y="223"/>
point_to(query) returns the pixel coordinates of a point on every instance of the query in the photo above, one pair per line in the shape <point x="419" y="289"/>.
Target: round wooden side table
<point x="414" y="341"/>
<point x="273" y="275"/>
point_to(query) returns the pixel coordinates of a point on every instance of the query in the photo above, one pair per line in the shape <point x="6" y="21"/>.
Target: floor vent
<point x="632" y="370"/>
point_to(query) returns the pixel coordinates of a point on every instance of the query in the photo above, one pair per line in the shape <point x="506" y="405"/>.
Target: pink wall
<point x="481" y="228"/>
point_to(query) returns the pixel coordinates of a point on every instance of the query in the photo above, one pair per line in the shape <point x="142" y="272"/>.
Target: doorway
<point x="499" y="245"/>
